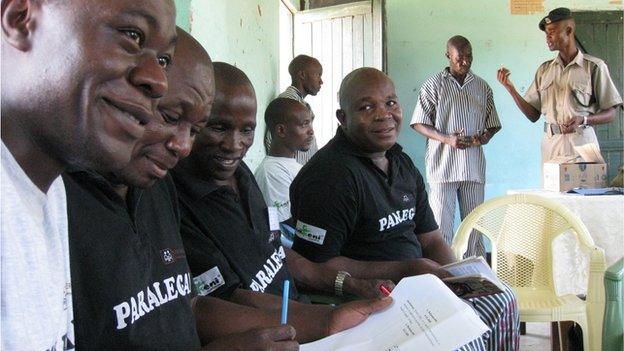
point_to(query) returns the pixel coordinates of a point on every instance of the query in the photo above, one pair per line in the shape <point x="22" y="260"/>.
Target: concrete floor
<point x="537" y="337"/>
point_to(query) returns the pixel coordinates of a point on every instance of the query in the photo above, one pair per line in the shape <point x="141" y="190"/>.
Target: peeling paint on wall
<point x="526" y="7"/>
<point x="191" y="19"/>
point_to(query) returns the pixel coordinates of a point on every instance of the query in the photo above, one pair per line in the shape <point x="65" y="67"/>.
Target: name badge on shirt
<point x="273" y="221"/>
<point x="310" y="233"/>
<point x="208" y="281"/>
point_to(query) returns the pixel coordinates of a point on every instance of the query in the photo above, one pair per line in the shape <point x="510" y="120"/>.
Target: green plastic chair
<point x="613" y="326"/>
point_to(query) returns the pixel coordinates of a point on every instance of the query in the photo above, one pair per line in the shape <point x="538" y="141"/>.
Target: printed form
<point x="425" y="315"/>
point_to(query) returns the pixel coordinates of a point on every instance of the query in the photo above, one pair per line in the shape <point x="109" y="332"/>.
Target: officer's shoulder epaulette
<point x="546" y="63"/>
<point x="593" y="59"/>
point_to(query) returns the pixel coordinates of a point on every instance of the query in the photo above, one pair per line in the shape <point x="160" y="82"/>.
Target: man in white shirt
<point x="290" y="124"/>
<point x="80" y="79"/>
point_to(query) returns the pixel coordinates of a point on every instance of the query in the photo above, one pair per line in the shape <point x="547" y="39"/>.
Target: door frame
<point x="353" y="8"/>
<point x="606" y="17"/>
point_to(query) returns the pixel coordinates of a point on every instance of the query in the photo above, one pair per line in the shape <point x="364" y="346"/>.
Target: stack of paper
<point x="425" y="316"/>
<point x="589" y="153"/>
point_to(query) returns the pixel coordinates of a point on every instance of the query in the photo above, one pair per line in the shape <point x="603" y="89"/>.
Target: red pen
<point x="384" y="290"/>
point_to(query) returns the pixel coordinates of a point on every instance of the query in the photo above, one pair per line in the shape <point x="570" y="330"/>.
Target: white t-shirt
<point x="36" y="301"/>
<point x="274" y="176"/>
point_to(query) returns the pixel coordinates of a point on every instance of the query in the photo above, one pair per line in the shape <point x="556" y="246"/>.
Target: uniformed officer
<point x="574" y="90"/>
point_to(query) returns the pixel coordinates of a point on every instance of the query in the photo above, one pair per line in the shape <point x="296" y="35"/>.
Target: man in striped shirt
<point x="456" y="112"/>
<point x="305" y="72"/>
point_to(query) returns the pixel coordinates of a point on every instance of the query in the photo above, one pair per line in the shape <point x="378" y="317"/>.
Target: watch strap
<point x="339" y="282"/>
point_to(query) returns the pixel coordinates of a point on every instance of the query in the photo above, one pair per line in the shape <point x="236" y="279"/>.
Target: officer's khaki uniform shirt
<point x="581" y="88"/>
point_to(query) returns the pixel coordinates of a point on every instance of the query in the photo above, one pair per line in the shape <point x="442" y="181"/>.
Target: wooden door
<point x="342" y="38"/>
<point x="599" y="33"/>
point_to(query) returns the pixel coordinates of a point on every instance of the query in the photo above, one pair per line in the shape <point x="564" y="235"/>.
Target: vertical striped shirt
<point x="302" y="157"/>
<point x="448" y="107"/>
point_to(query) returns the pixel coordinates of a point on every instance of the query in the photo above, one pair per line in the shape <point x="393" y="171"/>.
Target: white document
<point x="273" y="221"/>
<point x="585" y="143"/>
<point x="425" y="316"/>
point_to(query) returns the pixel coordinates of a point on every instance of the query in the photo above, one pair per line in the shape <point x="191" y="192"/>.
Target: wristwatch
<point x="585" y="121"/>
<point x="339" y="282"/>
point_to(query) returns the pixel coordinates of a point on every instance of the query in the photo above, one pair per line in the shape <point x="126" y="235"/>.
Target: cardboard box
<point x="563" y="174"/>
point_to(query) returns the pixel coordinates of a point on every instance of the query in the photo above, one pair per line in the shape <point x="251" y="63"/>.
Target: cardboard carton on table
<point x="587" y="171"/>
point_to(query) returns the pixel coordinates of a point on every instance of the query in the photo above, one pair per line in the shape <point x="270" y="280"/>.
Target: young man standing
<point x="79" y="82"/>
<point x="290" y="124"/>
<point x="573" y="91"/>
<point x="305" y="72"/>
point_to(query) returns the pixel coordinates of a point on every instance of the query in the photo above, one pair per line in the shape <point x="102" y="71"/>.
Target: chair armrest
<point x="596" y="297"/>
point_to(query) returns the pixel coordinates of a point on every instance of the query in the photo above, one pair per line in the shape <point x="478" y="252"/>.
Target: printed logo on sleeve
<point x="167" y="255"/>
<point x="310" y="233"/>
<point x="208" y="281"/>
<point x="170" y="256"/>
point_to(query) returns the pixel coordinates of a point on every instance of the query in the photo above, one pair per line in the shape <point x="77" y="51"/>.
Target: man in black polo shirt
<point x="132" y="287"/>
<point x="225" y="226"/>
<point x="360" y="205"/>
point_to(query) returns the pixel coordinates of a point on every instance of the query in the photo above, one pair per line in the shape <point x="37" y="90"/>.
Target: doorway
<point x="599" y="33"/>
<point x="343" y="38"/>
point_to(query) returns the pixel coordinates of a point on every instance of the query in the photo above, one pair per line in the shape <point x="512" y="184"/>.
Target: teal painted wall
<point x="183" y="14"/>
<point x="417" y="31"/>
<point x="243" y="33"/>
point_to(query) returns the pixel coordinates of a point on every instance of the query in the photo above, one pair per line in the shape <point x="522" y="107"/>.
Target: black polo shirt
<point x="344" y="205"/>
<point x="227" y="236"/>
<point x="130" y="280"/>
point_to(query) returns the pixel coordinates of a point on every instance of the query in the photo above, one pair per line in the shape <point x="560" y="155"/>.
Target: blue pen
<point x="285" y="302"/>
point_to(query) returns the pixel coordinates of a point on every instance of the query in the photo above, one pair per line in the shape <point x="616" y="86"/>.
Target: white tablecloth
<point x="604" y="218"/>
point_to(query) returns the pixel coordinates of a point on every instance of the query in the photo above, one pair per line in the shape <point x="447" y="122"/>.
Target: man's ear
<point x="301" y="74"/>
<point x="280" y="130"/>
<point x="18" y="22"/>
<point x="569" y="30"/>
<point x="342" y="116"/>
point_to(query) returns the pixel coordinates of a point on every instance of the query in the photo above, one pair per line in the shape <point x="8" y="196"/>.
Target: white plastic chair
<point x="521" y="229"/>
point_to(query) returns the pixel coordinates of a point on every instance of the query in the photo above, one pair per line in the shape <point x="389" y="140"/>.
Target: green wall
<point x="183" y="14"/>
<point x="243" y="33"/>
<point x="416" y="33"/>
